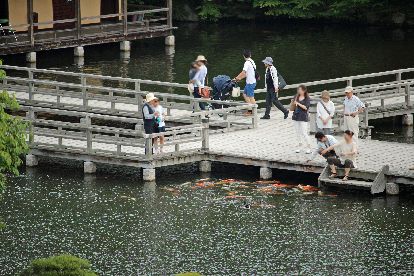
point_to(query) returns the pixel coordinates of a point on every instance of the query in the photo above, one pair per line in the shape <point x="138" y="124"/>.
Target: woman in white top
<point x="160" y="127"/>
<point x="347" y="151"/>
<point x="325" y="110"/>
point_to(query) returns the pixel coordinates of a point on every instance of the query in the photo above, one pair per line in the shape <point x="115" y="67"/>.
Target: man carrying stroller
<point x="272" y="87"/>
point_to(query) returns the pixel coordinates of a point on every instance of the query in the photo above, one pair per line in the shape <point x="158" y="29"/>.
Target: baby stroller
<point x="222" y="87"/>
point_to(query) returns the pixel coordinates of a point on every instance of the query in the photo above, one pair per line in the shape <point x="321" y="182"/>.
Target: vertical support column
<point x="78" y="20"/>
<point x="88" y="132"/>
<point x="31" y="116"/>
<point x="265" y="173"/>
<point x="148" y="174"/>
<point x="84" y="92"/>
<point x="31" y="160"/>
<point x="89" y="167"/>
<point x="407" y="120"/>
<point x="255" y="117"/>
<point x="30" y="22"/>
<point x="205" y="166"/>
<point x="139" y="98"/>
<point x="366" y="121"/>
<point x="148" y="146"/>
<point x="125" y="16"/>
<point x="170" y="14"/>
<point x="312" y="116"/>
<point x="31" y="85"/>
<point x="349" y="82"/>
<point x="205" y="133"/>
<point x="407" y="96"/>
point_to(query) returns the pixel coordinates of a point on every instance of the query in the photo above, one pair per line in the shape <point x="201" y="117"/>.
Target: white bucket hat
<point x="201" y="58"/>
<point x="268" y="61"/>
<point x="150" y="97"/>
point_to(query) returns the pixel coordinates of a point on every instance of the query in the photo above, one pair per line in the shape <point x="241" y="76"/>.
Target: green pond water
<point x="126" y="227"/>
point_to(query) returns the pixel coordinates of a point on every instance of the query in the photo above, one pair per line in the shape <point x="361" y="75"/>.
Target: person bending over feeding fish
<point x="323" y="142"/>
<point x="347" y="151"/>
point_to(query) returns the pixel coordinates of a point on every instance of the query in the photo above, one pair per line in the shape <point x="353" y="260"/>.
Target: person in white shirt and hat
<point x="149" y="114"/>
<point x="200" y="79"/>
<point x="352" y="107"/>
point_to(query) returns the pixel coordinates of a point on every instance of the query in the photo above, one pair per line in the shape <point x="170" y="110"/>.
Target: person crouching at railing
<point x="159" y="127"/>
<point x="347" y="151"/>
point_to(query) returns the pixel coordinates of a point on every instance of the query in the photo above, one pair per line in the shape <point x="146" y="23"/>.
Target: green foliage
<point x="209" y="11"/>
<point x="12" y="136"/>
<point x="62" y="265"/>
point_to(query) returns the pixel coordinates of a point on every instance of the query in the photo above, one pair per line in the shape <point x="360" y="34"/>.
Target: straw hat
<point x="150" y="97"/>
<point x="201" y="58"/>
<point x="325" y="95"/>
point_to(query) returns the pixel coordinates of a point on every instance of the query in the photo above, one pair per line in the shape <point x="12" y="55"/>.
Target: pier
<point x="97" y="119"/>
<point x="74" y="24"/>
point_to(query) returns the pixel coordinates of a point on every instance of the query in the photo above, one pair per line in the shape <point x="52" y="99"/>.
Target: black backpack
<point x="256" y="73"/>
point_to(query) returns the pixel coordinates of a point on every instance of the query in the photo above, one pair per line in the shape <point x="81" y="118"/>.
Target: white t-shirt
<point x="249" y="67"/>
<point x="160" y="110"/>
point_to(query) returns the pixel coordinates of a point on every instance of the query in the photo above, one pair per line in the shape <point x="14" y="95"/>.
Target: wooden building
<point x="33" y="25"/>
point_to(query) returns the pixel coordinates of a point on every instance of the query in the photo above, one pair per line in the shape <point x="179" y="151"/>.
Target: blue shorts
<point x="249" y="89"/>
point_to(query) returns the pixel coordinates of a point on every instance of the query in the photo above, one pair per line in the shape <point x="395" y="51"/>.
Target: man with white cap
<point x="352" y="107"/>
<point x="149" y="114"/>
<point x="272" y="87"/>
<point x="199" y="79"/>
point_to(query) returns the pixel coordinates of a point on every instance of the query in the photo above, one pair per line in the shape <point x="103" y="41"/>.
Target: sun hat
<point x="349" y="89"/>
<point x="268" y="61"/>
<point x="325" y="95"/>
<point x="150" y="97"/>
<point x="201" y="58"/>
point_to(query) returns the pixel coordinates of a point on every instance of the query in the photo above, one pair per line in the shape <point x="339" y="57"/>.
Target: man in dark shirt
<point x="272" y="87"/>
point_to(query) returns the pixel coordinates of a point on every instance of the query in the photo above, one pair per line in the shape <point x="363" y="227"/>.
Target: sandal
<point x="333" y="175"/>
<point x="346" y="178"/>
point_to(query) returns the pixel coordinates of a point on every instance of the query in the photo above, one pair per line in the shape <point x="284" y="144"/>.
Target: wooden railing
<point x="83" y="92"/>
<point x="84" y="28"/>
<point x="95" y="135"/>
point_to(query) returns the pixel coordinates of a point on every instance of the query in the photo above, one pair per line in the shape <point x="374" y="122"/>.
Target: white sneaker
<point x="308" y="151"/>
<point x="297" y="151"/>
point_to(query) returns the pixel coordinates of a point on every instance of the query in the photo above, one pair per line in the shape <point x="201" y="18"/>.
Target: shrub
<point x="62" y="265"/>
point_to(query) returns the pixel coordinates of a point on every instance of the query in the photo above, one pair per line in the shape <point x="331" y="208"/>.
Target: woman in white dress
<point x="325" y="110"/>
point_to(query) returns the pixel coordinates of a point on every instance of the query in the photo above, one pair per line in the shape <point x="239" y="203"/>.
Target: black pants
<point x="329" y="154"/>
<point x="348" y="164"/>
<point x="271" y="98"/>
<point x="198" y="96"/>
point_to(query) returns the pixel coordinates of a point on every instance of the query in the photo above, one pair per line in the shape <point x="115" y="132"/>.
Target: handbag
<point x="282" y="82"/>
<point x="292" y="106"/>
<point x="329" y="113"/>
<point x="235" y="93"/>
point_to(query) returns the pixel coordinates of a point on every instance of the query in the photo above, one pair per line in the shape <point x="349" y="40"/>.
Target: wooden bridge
<point x="97" y="119"/>
<point x="82" y="30"/>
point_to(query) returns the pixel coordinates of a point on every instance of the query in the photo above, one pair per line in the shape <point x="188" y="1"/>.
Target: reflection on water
<point x="125" y="227"/>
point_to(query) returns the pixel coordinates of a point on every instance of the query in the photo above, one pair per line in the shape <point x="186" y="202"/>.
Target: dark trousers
<point x="198" y="96"/>
<point x="348" y="164"/>
<point x="271" y="98"/>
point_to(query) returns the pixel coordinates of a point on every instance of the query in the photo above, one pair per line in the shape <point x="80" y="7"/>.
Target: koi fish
<point x="308" y="188"/>
<point x="283" y="186"/>
<point x="266" y="182"/>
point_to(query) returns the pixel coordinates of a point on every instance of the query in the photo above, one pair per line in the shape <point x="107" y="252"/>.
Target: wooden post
<point x="255" y="118"/>
<point x="349" y="82"/>
<point x="31" y="116"/>
<point x="84" y="92"/>
<point x="125" y="16"/>
<point x="88" y="134"/>
<point x="366" y="118"/>
<point x="205" y="132"/>
<point x="30" y="22"/>
<point x="407" y="96"/>
<point x="78" y="19"/>
<point x="169" y="16"/>
<point x="148" y="146"/>
<point x="31" y="85"/>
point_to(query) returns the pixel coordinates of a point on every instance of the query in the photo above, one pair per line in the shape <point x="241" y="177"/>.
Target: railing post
<point x="84" y="92"/>
<point x="312" y="116"/>
<point x="31" y="85"/>
<point x="255" y="117"/>
<point x="407" y="96"/>
<point x="125" y="16"/>
<point x="177" y="146"/>
<point x="205" y="133"/>
<point x="88" y="132"/>
<point x="118" y="146"/>
<point x="31" y="117"/>
<point x="366" y="117"/>
<point x="170" y="15"/>
<point x="349" y="82"/>
<point x="398" y="76"/>
<point x="139" y="98"/>
<point x="30" y="21"/>
<point x="148" y="146"/>
<point x="78" y="20"/>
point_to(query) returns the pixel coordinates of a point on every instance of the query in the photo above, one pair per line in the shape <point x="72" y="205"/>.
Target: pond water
<point x="125" y="227"/>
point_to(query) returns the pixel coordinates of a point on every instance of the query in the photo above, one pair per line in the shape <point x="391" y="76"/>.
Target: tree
<point x="62" y="265"/>
<point x="12" y="136"/>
